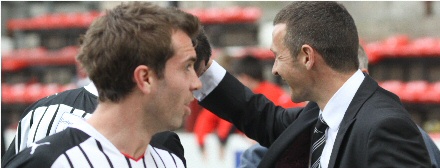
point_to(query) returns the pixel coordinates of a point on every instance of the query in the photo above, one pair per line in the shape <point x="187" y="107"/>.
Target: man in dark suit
<point x="315" y="46"/>
<point x="252" y="156"/>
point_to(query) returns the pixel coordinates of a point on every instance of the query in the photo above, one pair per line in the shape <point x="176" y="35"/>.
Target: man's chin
<point x="296" y="99"/>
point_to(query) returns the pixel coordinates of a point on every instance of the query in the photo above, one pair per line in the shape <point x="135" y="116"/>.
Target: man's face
<point x="290" y="69"/>
<point x="173" y="93"/>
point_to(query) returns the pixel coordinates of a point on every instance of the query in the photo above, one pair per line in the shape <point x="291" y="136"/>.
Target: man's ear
<point x="307" y="56"/>
<point x="143" y="77"/>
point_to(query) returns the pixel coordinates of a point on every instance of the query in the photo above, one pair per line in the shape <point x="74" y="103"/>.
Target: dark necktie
<point x="318" y="142"/>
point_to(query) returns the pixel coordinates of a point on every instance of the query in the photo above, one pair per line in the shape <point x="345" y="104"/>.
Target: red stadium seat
<point x="17" y="93"/>
<point x="426" y="47"/>
<point x="49" y="89"/>
<point x="414" y="91"/>
<point x="32" y="92"/>
<point x="432" y="95"/>
<point x="6" y="93"/>
<point x="374" y="51"/>
<point x="395" y="46"/>
<point x="394" y="86"/>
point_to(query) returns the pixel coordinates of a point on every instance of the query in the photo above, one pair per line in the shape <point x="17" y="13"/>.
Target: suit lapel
<point x="303" y="122"/>
<point x="367" y="88"/>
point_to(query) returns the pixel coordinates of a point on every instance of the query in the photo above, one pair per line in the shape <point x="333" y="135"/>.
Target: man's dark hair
<point x="203" y="49"/>
<point x="250" y="66"/>
<point x="327" y="27"/>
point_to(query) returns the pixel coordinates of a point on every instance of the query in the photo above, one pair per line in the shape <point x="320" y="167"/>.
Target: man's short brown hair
<point x="131" y="34"/>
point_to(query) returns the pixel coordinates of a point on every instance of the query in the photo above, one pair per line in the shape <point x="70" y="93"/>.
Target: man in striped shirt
<point x="140" y="57"/>
<point x="42" y="119"/>
<point x="54" y="113"/>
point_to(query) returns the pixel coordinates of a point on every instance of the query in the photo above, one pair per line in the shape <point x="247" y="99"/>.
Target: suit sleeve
<point x="253" y="114"/>
<point x="383" y="151"/>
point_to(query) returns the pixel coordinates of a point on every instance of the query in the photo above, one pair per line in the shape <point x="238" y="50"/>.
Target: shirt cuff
<point x="210" y="80"/>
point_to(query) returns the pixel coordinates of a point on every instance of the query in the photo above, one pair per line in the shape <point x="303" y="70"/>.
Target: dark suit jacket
<point x="376" y="130"/>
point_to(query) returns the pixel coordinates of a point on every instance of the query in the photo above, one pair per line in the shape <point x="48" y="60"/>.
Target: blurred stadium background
<point x="39" y="44"/>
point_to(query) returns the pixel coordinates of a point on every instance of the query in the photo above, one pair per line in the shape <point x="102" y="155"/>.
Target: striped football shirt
<point x="55" y="113"/>
<point x="81" y="146"/>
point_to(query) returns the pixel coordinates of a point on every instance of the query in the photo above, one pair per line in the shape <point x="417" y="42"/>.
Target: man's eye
<point x="189" y="66"/>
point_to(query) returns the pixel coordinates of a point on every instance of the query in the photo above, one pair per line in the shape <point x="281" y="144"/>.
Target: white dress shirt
<point x="210" y="80"/>
<point x="334" y="112"/>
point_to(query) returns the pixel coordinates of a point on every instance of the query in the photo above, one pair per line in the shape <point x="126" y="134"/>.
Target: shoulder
<point x="45" y="152"/>
<point x="374" y="99"/>
<point x="375" y="95"/>
<point x="381" y="115"/>
<point x="383" y="110"/>
<point x="78" y="98"/>
<point x="384" y="104"/>
<point x="170" y="142"/>
<point x="167" y="140"/>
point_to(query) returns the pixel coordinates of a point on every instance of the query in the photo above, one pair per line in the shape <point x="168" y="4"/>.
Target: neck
<point x="328" y="85"/>
<point x="124" y="126"/>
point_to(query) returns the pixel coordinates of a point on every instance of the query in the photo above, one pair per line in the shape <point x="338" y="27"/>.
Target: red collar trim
<point x="132" y="158"/>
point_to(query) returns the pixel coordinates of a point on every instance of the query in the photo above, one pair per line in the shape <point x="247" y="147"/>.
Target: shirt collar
<point x="91" y="88"/>
<point x="336" y="107"/>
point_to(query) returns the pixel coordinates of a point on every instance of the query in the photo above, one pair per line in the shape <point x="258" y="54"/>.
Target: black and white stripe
<point x="55" y="113"/>
<point x="45" y="121"/>
<point x="318" y="142"/>
<point x="51" y="115"/>
<point x="82" y="146"/>
<point x="96" y="151"/>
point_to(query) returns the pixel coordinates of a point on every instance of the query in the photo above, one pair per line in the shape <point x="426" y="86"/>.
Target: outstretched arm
<point x="251" y="113"/>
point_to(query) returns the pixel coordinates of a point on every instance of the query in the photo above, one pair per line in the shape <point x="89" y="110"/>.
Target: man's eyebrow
<point x="192" y="59"/>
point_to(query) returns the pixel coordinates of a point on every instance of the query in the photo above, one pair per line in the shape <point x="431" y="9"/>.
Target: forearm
<point x="251" y="113"/>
